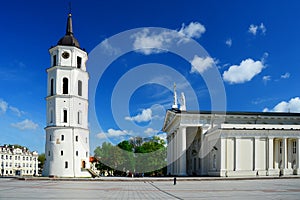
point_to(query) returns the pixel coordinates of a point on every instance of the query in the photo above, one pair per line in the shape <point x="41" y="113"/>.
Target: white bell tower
<point x="67" y="133"/>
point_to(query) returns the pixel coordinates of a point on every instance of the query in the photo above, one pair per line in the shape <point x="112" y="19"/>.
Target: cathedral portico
<point x="242" y="144"/>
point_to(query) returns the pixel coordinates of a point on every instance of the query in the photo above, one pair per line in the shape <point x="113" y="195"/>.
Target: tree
<point x="41" y="162"/>
<point x="134" y="155"/>
<point x="151" y="155"/>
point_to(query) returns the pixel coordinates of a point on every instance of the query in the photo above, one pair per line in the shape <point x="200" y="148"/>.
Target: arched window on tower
<point x="79" y="117"/>
<point x="65" y="116"/>
<point x="51" y="116"/>
<point x="51" y="87"/>
<point x="65" y="85"/>
<point x="79" y="88"/>
<point x="54" y="60"/>
<point x="79" y="61"/>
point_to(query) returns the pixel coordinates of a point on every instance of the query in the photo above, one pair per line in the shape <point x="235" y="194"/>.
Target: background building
<point x="18" y="161"/>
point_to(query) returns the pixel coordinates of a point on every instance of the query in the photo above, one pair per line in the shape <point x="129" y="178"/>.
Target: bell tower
<point x="67" y="133"/>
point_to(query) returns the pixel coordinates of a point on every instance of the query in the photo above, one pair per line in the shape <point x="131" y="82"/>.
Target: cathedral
<point x="228" y="144"/>
<point x="67" y="133"/>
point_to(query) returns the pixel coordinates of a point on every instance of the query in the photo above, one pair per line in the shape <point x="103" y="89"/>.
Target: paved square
<point x="148" y="189"/>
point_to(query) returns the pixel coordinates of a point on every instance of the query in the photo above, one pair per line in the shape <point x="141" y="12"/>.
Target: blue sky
<point x="255" y="46"/>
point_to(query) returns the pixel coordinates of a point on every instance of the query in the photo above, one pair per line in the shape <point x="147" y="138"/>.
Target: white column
<point x="236" y="154"/>
<point x="169" y="155"/>
<point x="172" y="153"/>
<point x="284" y="153"/>
<point x="298" y="155"/>
<point x="182" y="134"/>
<point x="223" y="156"/>
<point x="270" y="154"/>
<point x="254" y="163"/>
<point x="177" y="146"/>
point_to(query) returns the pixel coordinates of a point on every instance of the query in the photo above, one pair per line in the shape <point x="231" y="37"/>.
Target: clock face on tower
<point x="65" y="55"/>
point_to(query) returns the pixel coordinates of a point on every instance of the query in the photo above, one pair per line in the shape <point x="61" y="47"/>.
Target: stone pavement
<point x="151" y="189"/>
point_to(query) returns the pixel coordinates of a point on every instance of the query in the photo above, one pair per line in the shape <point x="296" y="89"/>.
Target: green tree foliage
<point x="41" y="162"/>
<point x="135" y="155"/>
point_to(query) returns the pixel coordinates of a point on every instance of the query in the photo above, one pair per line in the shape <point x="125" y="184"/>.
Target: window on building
<point x="79" y="88"/>
<point x="65" y="116"/>
<point x="79" y="60"/>
<point x="10" y="157"/>
<point x="6" y="157"/>
<point x="51" y="116"/>
<point x="62" y="137"/>
<point x="76" y="153"/>
<point x="65" y="85"/>
<point x="86" y="154"/>
<point x="50" y="138"/>
<point x="61" y="152"/>
<point x="294" y="147"/>
<point x="66" y="164"/>
<point x="48" y="153"/>
<point x="76" y="138"/>
<point x="86" y="140"/>
<point x="280" y="147"/>
<point x="79" y="113"/>
<point x="52" y="87"/>
<point x="54" y="60"/>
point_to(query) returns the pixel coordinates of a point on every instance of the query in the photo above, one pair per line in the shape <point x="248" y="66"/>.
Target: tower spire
<point x="68" y="39"/>
<point x="69" y="30"/>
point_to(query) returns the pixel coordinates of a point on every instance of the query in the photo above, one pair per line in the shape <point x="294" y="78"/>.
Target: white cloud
<point x="244" y="72"/>
<point x="193" y="30"/>
<point x="151" y="43"/>
<point x="266" y="78"/>
<point x="254" y="29"/>
<point x="228" y="42"/>
<point x="145" y="116"/>
<point x="262" y="28"/>
<point x="25" y="125"/>
<point x="285" y="76"/>
<point x="293" y="105"/>
<point x="15" y="110"/>
<point x="150" y="131"/>
<point x="200" y="65"/>
<point x="147" y="42"/>
<point x="3" y="106"/>
<point x="109" y="49"/>
<point x="112" y="133"/>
